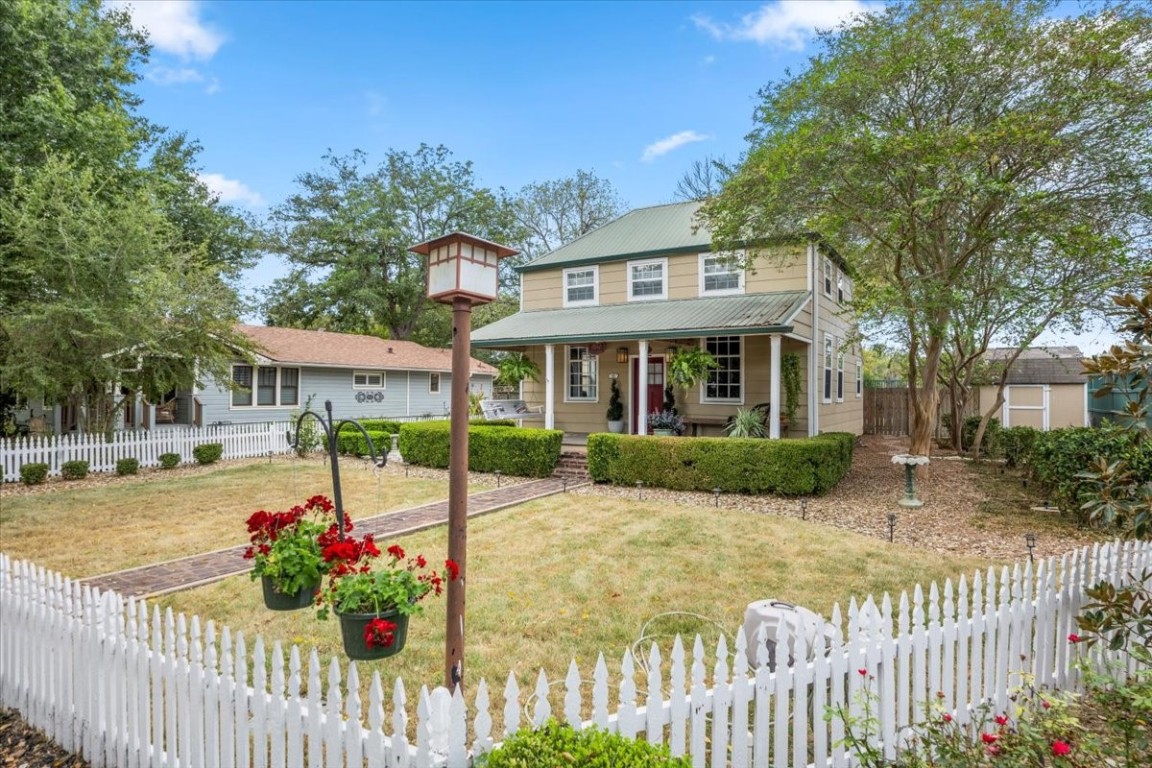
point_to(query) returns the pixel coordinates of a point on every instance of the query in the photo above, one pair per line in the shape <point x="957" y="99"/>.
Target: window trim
<point x="433" y="376"/>
<point x="826" y="382"/>
<point x="595" y="374"/>
<point x="367" y="383"/>
<point x="737" y="291"/>
<point x="253" y="390"/>
<point x="839" y="374"/>
<point x="663" y="295"/>
<point x="704" y="382"/>
<point x="595" y="300"/>
<point x="828" y="274"/>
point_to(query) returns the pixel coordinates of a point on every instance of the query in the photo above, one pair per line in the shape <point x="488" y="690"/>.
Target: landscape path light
<point x="464" y="271"/>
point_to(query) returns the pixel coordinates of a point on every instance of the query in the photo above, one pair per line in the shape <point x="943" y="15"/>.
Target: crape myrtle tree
<point x="347" y="232"/>
<point x="933" y="142"/>
<point x="117" y="260"/>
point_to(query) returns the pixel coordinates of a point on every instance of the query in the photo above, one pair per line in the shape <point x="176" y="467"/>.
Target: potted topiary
<point x="615" y="410"/>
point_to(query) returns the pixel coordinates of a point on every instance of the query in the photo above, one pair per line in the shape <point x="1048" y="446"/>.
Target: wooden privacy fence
<point x="123" y="685"/>
<point x="240" y="441"/>
<point x="888" y="411"/>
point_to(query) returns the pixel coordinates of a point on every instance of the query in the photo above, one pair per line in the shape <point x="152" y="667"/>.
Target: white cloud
<point x="174" y="26"/>
<point x="231" y="190"/>
<point x="786" y="23"/>
<point x="173" y="76"/>
<point x="708" y="61"/>
<point x="375" y="101"/>
<point x="666" y="145"/>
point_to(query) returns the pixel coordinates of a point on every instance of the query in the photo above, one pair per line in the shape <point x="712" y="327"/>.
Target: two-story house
<point x="618" y="301"/>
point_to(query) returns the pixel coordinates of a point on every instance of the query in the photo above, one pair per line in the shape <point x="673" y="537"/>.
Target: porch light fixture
<point x="622" y="355"/>
<point x="463" y="270"/>
<point x="672" y="350"/>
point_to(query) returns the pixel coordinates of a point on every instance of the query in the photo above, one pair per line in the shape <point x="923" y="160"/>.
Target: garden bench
<point x="695" y="422"/>
<point x="510" y="409"/>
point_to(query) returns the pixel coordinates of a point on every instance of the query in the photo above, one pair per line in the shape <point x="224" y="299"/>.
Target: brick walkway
<point x="188" y="572"/>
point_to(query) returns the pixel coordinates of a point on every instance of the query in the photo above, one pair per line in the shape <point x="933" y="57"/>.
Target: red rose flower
<point x="862" y="672"/>
<point x="1074" y="638"/>
<point x="1061" y="748"/>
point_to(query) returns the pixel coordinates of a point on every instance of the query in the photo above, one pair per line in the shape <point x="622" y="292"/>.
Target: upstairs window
<point x="828" y="275"/>
<point x="827" y="394"/>
<point x="859" y="377"/>
<point x="580" y="286"/>
<point x="718" y="275"/>
<point x="840" y="377"/>
<point x="648" y="280"/>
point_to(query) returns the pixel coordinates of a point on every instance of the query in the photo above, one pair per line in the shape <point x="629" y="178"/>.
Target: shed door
<point x="1025" y="405"/>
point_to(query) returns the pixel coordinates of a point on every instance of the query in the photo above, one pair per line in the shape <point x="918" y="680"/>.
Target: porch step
<point x="573" y="465"/>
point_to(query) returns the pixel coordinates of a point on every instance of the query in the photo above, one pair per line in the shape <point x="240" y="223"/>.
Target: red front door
<point x="654" y="380"/>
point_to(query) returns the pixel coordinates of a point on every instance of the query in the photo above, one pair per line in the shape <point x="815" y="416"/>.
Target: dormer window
<point x="581" y="286"/>
<point x="648" y="280"/>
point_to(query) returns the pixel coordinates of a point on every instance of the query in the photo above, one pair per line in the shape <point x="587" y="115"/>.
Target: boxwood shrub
<point x="169" y="460"/>
<point x="74" y="470"/>
<point x="127" y="466"/>
<point x="559" y="745"/>
<point x="734" y="465"/>
<point x="35" y="473"/>
<point x="208" y="453"/>
<point x="1059" y="455"/>
<point x="1016" y="445"/>
<point x="492" y="446"/>
<point x="379" y="425"/>
<point x="352" y="441"/>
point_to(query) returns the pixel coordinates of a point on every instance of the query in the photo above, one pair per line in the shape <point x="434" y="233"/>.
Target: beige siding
<point x="780" y="270"/>
<point x="542" y="290"/>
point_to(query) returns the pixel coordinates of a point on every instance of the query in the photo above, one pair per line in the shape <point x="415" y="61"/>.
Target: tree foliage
<point x="936" y="141"/>
<point x="348" y="229"/>
<point x="703" y="179"/>
<point x="117" y="258"/>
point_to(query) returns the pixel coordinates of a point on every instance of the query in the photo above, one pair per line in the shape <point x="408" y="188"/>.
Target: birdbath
<point x="910" y="462"/>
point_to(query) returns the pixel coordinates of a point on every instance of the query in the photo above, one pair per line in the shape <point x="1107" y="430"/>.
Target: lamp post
<point x="463" y="270"/>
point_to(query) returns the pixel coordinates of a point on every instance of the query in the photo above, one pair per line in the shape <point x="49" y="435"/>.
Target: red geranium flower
<point x="1074" y="638"/>
<point x="396" y="551"/>
<point x="379" y="633"/>
<point x="453" y="570"/>
<point x="989" y="738"/>
<point x="1061" y="748"/>
<point x="1001" y="719"/>
<point x="947" y="717"/>
<point x="862" y="672"/>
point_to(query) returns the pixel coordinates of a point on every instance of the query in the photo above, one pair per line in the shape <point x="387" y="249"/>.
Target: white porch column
<point x="549" y="386"/>
<point x="774" y="388"/>
<point x="642" y="390"/>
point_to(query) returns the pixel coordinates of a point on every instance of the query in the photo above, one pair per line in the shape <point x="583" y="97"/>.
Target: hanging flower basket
<point x="369" y="636"/>
<point x="276" y="600"/>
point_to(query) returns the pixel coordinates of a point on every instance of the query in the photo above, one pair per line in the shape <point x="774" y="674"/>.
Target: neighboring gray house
<point x="363" y="376"/>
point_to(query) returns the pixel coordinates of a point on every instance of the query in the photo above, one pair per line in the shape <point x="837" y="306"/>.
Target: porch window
<point x="724" y="383"/>
<point x="289" y="386"/>
<point x="580" y="286"/>
<point x="434" y="383"/>
<point x="266" y="386"/>
<point x="827" y="394"/>
<point x="647" y="280"/>
<point x="582" y="367"/>
<point x="242" y="377"/>
<point x="840" y="377"/>
<point x="719" y="275"/>
<point x="367" y="380"/>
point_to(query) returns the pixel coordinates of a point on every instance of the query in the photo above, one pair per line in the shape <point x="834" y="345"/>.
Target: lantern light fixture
<point x="622" y="355"/>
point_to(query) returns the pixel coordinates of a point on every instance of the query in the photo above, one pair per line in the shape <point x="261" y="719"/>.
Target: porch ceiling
<point x="732" y="315"/>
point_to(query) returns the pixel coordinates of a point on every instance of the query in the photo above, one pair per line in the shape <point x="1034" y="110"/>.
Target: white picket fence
<point x="240" y="441"/>
<point x="123" y="685"/>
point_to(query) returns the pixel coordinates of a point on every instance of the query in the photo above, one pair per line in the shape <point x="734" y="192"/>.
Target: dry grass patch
<point x="567" y="577"/>
<point x="112" y="526"/>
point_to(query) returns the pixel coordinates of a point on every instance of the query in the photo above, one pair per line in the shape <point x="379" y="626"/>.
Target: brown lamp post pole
<point x="463" y="270"/>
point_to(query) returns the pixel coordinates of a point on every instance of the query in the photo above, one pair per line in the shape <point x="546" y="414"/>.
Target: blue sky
<point x="527" y="91"/>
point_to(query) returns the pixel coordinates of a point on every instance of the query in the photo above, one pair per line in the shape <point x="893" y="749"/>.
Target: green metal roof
<point x="734" y="315"/>
<point x="644" y="231"/>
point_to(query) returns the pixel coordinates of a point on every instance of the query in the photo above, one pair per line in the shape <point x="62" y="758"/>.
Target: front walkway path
<point x="188" y="572"/>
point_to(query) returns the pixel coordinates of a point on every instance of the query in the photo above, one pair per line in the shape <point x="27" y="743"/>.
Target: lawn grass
<point x="94" y="530"/>
<point x="1011" y="496"/>
<point x="567" y="576"/>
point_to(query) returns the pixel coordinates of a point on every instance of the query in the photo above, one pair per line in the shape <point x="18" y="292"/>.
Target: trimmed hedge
<point x="524" y="452"/>
<point x="169" y="460"/>
<point x="1059" y="455"/>
<point x="554" y="744"/>
<point x="208" y="453"/>
<point x="35" y="473"/>
<point x="74" y="470"/>
<point x="787" y="467"/>
<point x="127" y="466"/>
<point x="378" y="425"/>
<point x="352" y="441"/>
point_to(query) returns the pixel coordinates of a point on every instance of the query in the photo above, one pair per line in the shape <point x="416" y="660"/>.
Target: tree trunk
<point x="925" y="398"/>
